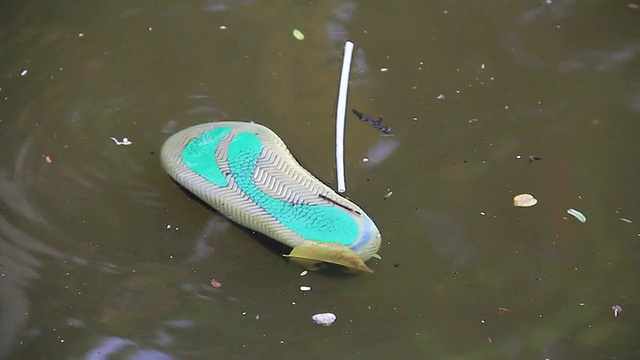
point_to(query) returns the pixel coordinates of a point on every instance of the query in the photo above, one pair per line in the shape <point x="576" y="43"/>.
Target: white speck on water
<point x="124" y="141"/>
<point x="482" y="66"/>
<point x="305" y="288"/>
<point x="223" y="27"/>
<point x="384" y="69"/>
<point x="150" y="28"/>
<point x="24" y="72"/>
<point x="81" y="35"/>
<point x="617" y="309"/>
<point x="440" y="97"/>
<point x="365" y="159"/>
<point x="482" y="213"/>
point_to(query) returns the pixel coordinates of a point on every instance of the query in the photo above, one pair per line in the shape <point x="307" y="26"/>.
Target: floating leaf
<point x="524" y="200"/>
<point x="578" y="215"/>
<point x="311" y="255"/>
<point x="298" y="34"/>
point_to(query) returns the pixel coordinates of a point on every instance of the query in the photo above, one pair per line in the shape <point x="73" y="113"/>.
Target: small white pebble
<point x="324" y="319"/>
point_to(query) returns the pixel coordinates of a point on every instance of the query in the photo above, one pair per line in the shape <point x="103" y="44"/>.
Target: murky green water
<point x="103" y="257"/>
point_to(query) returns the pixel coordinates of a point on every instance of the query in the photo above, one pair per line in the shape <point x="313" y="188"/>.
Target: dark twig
<point x="337" y="203"/>
<point x="376" y="123"/>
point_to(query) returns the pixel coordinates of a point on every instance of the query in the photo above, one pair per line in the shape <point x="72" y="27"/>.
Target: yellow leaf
<point x="310" y="253"/>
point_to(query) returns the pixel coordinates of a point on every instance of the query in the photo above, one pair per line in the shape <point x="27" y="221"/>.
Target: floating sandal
<point x="245" y="171"/>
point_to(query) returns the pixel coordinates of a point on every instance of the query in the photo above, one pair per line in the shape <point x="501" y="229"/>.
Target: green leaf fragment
<point x="578" y="215"/>
<point x="298" y="34"/>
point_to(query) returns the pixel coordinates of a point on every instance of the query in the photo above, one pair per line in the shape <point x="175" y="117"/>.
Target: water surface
<point x="102" y="256"/>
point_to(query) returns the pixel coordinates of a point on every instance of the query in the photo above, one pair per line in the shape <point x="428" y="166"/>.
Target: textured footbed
<point x="245" y="171"/>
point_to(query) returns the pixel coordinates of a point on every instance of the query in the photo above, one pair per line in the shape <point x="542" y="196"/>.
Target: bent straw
<point x="341" y="114"/>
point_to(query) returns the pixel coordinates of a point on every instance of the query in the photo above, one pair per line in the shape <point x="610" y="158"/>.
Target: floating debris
<point x="617" y="310"/>
<point x="48" y="159"/>
<point x="24" y="72"/>
<point x="215" y="283"/>
<point x="305" y="288"/>
<point x="388" y="195"/>
<point x="377" y="124"/>
<point x="502" y="310"/>
<point x="298" y="34"/>
<point x="324" y="319"/>
<point x="124" y="141"/>
<point x="304" y="272"/>
<point x="524" y="200"/>
<point x="626" y="220"/>
<point x="441" y="97"/>
<point x="578" y="215"/>
<point x="533" y="158"/>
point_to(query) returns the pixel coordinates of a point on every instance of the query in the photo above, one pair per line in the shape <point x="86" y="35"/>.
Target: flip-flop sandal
<point x="245" y="171"/>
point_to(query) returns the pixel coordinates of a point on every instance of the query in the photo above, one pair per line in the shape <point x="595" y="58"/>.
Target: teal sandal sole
<point x="245" y="171"/>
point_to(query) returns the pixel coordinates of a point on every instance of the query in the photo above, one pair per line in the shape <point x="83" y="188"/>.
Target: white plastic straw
<point x="341" y="114"/>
